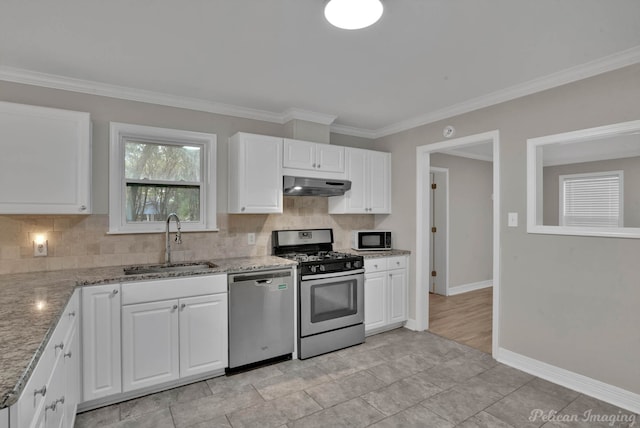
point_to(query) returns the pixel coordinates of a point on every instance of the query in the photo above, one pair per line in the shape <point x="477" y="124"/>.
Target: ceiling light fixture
<point x="353" y="14"/>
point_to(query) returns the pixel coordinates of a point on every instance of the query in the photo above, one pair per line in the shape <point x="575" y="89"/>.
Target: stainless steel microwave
<point x="367" y="240"/>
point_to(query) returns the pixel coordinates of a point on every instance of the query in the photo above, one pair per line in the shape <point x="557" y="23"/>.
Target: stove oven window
<point x="333" y="300"/>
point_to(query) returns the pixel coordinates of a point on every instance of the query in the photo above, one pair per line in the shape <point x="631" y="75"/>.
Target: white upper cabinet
<point x="45" y="167"/>
<point x="307" y="156"/>
<point x="370" y="175"/>
<point x="255" y="174"/>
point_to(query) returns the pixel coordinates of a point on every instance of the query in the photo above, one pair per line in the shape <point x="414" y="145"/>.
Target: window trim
<point x="119" y="133"/>
<point x="561" y="203"/>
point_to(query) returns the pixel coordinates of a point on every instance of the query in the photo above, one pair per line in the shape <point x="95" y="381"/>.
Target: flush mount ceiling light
<point x="353" y="14"/>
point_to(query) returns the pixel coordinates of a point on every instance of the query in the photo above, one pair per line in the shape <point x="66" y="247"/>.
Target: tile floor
<point x="396" y="379"/>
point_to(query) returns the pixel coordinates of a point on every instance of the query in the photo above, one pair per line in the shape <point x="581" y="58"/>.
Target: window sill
<point x="146" y="232"/>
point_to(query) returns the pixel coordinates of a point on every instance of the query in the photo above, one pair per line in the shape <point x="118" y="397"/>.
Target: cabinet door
<point x="255" y="174"/>
<point x="357" y="198"/>
<point x="299" y="154"/>
<point x="375" y="301"/>
<point x="55" y="399"/>
<point x="379" y="183"/>
<point x="71" y="359"/>
<point x="203" y="334"/>
<point x="149" y="344"/>
<point x="101" y="341"/>
<point x="397" y="295"/>
<point x="46" y="156"/>
<point x="329" y="158"/>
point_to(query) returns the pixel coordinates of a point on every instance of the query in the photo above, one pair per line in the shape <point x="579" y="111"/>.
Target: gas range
<point x="330" y="290"/>
<point x="313" y="250"/>
<point x="325" y="262"/>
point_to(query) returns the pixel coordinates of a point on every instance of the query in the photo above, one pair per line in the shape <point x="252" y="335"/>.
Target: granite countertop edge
<point x="67" y="281"/>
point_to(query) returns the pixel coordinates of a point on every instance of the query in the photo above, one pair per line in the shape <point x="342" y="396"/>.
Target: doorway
<point x="423" y="225"/>
<point x="439" y="258"/>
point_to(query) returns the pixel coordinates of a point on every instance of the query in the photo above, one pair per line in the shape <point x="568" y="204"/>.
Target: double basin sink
<point x="167" y="268"/>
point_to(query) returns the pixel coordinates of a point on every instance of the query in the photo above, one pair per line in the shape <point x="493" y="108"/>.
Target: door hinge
<point x="434" y="186"/>
<point x="433" y="273"/>
<point x="433" y="230"/>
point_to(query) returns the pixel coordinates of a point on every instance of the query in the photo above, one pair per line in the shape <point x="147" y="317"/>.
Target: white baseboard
<point x="411" y="324"/>
<point x="611" y="394"/>
<point x="459" y="289"/>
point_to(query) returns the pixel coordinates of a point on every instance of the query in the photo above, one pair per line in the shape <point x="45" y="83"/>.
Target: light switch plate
<point x="251" y="238"/>
<point x="513" y="220"/>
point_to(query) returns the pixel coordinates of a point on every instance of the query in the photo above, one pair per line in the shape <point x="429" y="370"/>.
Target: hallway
<point x="465" y="318"/>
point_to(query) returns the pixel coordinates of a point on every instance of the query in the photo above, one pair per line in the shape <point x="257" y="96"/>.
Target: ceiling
<point x="425" y="60"/>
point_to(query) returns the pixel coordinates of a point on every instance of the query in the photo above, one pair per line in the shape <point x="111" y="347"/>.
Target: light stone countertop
<point x="25" y="327"/>
<point x="377" y="254"/>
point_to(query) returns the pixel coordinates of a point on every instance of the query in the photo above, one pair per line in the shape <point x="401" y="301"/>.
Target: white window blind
<point x="592" y="200"/>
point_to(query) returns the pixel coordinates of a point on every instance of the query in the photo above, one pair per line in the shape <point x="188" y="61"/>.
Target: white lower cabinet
<point x="203" y="334"/>
<point x="149" y="344"/>
<point x="102" y="375"/>
<point x="50" y="397"/>
<point x="166" y="340"/>
<point x="385" y="293"/>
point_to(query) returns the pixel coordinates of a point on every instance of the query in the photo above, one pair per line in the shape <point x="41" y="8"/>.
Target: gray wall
<point x="631" y="168"/>
<point x="568" y="301"/>
<point x="470" y="218"/>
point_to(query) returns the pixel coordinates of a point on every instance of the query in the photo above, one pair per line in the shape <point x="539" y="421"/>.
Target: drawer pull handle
<point x="174" y="307"/>
<point x="51" y="407"/>
<point x="59" y="346"/>
<point x="72" y="314"/>
<point x="375" y="266"/>
<point x="67" y="355"/>
<point x="60" y="400"/>
<point x="42" y="391"/>
<point x="114" y="292"/>
<point x="184" y="305"/>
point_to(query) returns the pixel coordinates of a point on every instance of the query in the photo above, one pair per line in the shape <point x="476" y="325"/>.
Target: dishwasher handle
<point x="261" y="276"/>
<point x="263" y="282"/>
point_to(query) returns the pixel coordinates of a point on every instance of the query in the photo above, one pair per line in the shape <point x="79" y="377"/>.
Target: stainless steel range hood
<point x="306" y="186"/>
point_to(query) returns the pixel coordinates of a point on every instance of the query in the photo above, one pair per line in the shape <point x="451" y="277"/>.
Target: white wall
<point x="565" y="300"/>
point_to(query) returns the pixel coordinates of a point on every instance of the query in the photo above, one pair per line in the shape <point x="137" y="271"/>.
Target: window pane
<point x="161" y="161"/>
<point x="154" y="202"/>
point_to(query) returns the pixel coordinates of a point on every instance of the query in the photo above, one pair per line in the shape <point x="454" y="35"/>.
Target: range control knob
<point x="313" y="268"/>
<point x="357" y="264"/>
<point x="323" y="268"/>
<point x="347" y="265"/>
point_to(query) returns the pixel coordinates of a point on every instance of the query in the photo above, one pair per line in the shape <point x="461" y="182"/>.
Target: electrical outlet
<point x="40" y="247"/>
<point x="251" y="238"/>
<point x="513" y="220"/>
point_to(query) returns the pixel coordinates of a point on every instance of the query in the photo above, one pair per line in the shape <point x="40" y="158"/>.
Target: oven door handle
<point x="332" y="275"/>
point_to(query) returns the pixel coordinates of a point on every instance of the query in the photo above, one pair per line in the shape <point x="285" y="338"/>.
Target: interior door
<point x="438" y="262"/>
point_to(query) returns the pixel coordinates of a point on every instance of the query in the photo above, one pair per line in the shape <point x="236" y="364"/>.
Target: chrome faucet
<point x="178" y="239"/>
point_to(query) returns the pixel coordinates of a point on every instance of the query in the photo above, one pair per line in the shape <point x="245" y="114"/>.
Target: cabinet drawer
<point x="375" y="265"/>
<point x="399" y="262"/>
<point x="172" y="288"/>
<point x="30" y="401"/>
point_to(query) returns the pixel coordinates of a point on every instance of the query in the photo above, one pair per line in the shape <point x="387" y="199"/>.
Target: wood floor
<point x="465" y="318"/>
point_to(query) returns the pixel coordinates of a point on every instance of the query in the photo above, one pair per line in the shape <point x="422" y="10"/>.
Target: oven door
<point x="331" y="301"/>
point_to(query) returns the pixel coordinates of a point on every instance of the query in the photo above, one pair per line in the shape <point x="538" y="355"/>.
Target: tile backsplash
<point x="82" y="241"/>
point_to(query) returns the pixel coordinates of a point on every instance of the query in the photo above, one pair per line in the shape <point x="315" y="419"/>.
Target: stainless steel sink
<point x="166" y="268"/>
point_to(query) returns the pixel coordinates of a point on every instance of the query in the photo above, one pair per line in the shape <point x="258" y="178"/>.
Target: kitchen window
<point x="592" y="199"/>
<point x="158" y="171"/>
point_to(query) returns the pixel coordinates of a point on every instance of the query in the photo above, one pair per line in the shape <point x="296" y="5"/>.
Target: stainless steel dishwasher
<point x="261" y="323"/>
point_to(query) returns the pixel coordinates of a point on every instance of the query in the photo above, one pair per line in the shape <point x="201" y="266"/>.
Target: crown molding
<point x="28" y="77"/>
<point x="353" y="131"/>
<point x="309" y="116"/>
<point x="573" y="74"/>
